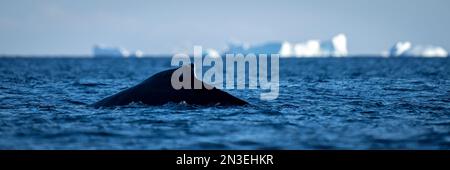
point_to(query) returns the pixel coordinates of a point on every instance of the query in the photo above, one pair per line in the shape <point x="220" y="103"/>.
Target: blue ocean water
<point x="324" y="103"/>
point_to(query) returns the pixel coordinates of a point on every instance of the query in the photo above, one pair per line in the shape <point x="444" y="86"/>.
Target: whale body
<point x="158" y="90"/>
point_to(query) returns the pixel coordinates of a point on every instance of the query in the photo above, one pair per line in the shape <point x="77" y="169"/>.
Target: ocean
<point x="324" y="103"/>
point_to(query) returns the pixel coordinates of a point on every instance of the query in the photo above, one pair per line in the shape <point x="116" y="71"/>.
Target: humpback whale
<point x="158" y="90"/>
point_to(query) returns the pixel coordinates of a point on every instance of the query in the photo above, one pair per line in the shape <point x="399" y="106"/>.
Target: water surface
<point x="324" y="103"/>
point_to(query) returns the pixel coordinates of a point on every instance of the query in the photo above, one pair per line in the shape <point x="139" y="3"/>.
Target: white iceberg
<point x="400" y="48"/>
<point x="428" y="51"/>
<point x="287" y="49"/>
<point x="336" y="47"/>
<point x="310" y="48"/>
<point x="340" y="45"/>
<point x="110" y="51"/>
<point x="406" y="48"/>
<point x="137" y="54"/>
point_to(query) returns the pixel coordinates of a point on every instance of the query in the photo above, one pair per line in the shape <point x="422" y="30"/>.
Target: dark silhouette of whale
<point x="158" y="90"/>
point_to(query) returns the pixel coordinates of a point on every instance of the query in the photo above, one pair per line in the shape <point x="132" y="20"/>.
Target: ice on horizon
<point x="336" y="47"/>
<point x="111" y="51"/>
<point x="402" y="49"/>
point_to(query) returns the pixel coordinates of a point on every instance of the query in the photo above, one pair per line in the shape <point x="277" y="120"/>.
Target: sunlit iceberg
<point x="110" y="51"/>
<point x="310" y="48"/>
<point x="340" y="45"/>
<point x="401" y="49"/>
<point x="138" y="53"/>
<point x="336" y="47"/>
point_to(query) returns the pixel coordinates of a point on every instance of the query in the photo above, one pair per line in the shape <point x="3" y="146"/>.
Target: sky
<point x="68" y="27"/>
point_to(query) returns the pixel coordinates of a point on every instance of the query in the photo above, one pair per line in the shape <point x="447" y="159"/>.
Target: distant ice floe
<point x="110" y="51"/>
<point x="401" y="49"/>
<point x="336" y="47"/>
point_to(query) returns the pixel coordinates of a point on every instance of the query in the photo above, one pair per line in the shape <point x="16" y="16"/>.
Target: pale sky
<point x="40" y="27"/>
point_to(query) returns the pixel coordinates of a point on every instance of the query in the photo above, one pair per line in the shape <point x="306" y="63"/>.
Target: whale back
<point x="158" y="90"/>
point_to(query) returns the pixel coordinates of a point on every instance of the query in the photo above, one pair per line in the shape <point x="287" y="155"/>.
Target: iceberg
<point x="402" y="49"/>
<point x="428" y="51"/>
<point x="340" y="45"/>
<point x="110" y="51"/>
<point x="336" y="47"/>
<point x="138" y="54"/>
<point x="309" y="49"/>
<point x="286" y="49"/>
<point x="107" y="51"/>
